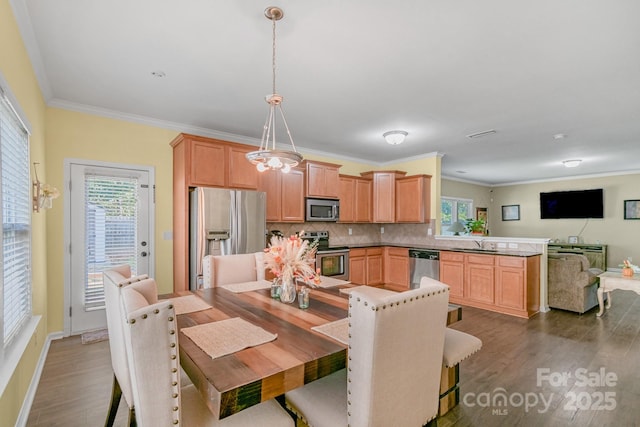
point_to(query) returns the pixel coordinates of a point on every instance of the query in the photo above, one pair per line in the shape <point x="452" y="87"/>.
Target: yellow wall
<point x="83" y="136"/>
<point x="17" y="71"/>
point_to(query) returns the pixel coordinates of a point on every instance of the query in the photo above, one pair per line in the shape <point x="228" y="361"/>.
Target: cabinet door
<point x="375" y="263"/>
<point x="208" y="163"/>
<point x="511" y="282"/>
<point x="412" y="199"/>
<point x="271" y="183"/>
<point x="396" y="267"/>
<point x="242" y="174"/>
<point x="292" y="195"/>
<point x="363" y="190"/>
<point x="510" y="288"/>
<point x="479" y="283"/>
<point x="452" y="272"/>
<point x="358" y="266"/>
<point x="347" y="199"/>
<point x="384" y="201"/>
<point x="322" y="180"/>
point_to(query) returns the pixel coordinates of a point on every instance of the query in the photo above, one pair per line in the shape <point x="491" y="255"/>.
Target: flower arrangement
<point x="292" y="258"/>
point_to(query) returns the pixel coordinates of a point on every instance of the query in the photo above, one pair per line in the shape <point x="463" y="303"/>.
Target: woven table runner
<point x="247" y="286"/>
<point x="328" y="282"/>
<point x="227" y="336"/>
<point x="338" y="330"/>
<point x="189" y="304"/>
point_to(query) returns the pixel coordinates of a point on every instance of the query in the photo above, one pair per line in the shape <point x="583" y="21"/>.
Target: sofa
<point x="571" y="283"/>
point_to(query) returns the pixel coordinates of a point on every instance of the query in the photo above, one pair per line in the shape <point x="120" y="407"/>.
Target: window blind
<point x="16" y="222"/>
<point x="111" y="218"/>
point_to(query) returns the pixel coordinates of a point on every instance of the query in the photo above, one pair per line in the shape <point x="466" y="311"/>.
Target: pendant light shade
<point x="267" y="157"/>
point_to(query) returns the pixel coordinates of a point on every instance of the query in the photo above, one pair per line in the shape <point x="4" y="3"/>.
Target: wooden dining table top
<point x="298" y="355"/>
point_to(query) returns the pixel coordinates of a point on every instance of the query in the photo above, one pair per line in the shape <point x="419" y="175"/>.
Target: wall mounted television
<point x="572" y="204"/>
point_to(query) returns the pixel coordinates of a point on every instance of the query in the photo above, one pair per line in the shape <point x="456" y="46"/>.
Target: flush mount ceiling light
<point x="559" y="136"/>
<point x="395" y="137"/>
<point x="267" y="157"/>
<point x="571" y="163"/>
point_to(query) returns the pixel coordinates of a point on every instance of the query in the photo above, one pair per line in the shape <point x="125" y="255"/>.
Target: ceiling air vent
<point x="481" y="134"/>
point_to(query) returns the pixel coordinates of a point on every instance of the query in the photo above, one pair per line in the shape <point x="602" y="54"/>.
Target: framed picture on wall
<point x="511" y="212"/>
<point x="632" y="209"/>
<point x="481" y="213"/>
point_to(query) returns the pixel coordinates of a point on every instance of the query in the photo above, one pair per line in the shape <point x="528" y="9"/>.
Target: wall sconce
<point x="43" y="194"/>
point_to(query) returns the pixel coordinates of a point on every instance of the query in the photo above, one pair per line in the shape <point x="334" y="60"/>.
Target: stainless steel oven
<point x="333" y="263"/>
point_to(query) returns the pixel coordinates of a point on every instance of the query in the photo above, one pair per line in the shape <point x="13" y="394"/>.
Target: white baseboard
<point x="23" y="416"/>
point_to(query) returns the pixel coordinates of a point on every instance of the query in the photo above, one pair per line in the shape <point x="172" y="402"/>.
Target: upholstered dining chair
<point x="394" y="363"/>
<point x="153" y="353"/>
<point x="114" y="279"/>
<point x="224" y="269"/>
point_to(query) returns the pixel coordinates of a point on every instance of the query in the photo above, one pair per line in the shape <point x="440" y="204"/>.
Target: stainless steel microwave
<point x="323" y="209"/>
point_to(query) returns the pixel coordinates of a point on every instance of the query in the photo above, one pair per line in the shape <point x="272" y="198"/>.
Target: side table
<point x="610" y="281"/>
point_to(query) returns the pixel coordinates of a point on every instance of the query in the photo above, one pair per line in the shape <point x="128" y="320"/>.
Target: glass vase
<point x="287" y="290"/>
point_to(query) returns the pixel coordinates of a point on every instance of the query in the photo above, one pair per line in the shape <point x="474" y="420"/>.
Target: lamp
<point x="571" y="163"/>
<point x="395" y="137"/>
<point x="267" y="157"/>
<point x="43" y="194"/>
<point x="457" y="228"/>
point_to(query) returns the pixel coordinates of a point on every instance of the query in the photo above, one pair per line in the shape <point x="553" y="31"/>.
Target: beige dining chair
<point x="152" y="348"/>
<point x="394" y="363"/>
<point x="225" y="269"/>
<point x="114" y="279"/>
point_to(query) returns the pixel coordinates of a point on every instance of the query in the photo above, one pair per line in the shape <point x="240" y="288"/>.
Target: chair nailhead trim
<point x="175" y="422"/>
<point x="173" y="357"/>
<point x="132" y="321"/>
<point x="156" y="311"/>
<point x="172" y="332"/>
<point x="175" y="408"/>
<point x="174" y="370"/>
<point x="170" y="306"/>
<point x="174" y="383"/>
<point x="170" y="318"/>
<point x="172" y="345"/>
<point x="174" y="395"/>
<point x="144" y="316"/>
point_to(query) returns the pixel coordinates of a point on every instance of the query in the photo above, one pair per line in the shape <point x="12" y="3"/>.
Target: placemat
<point x="227" y="336"/>
<point x="328" y="282"/>
<point x="247" y="286"/>
<point x="189" y="304"/>
<point x="338" y="330"/>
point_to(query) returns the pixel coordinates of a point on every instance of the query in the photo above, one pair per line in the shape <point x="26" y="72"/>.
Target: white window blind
<point x="16" y="222"/>
<point x="111" y="209"/>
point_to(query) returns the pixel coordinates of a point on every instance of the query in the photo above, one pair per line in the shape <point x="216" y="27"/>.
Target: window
<point x="454" y="210"/>
<point x="15" y="284"/>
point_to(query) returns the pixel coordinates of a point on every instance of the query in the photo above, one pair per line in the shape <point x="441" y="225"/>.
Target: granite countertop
<point x="505" y="252"/>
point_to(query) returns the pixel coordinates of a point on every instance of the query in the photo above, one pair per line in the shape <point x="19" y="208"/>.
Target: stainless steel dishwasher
<point x="423" y="262"/>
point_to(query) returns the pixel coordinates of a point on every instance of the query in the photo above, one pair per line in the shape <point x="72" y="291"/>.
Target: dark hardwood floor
<point x="573" y="370"/>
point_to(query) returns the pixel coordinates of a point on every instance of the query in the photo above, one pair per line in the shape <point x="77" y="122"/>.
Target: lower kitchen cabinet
<point x="366" y="266"/>
<point x="501" y="283"/>
<point x="396" y="267"/>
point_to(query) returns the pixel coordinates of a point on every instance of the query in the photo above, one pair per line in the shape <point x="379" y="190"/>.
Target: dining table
<point x="298" y="355"/>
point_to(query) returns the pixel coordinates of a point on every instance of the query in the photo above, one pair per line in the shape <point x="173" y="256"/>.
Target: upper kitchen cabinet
<point x="384" y="194"/>
<point x="322" y="180"/>
<point x="355" y="199"/>
<point x="413" y="199"/>
<point x="285" y="195"/>
<point x="210" y="162"/>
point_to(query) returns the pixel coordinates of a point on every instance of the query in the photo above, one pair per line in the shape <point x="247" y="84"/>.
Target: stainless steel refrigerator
<point x="224" y="222"/>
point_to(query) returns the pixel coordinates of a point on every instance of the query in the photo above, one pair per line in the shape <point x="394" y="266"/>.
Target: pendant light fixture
<point x="267" y="157"/>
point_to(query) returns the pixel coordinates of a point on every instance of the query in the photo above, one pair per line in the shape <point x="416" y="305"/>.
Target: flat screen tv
<point x="572" y="204"/>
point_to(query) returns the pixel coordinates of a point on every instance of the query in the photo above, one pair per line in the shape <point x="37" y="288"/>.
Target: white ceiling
<point x="349" y="71"/>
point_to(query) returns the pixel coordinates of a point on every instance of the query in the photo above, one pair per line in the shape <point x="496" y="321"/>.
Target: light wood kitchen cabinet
<point x="479" y="278"/>
<point x="285" y="195"/>
<point x="452" y="273"/>
<point x="413" y="199"/>
<point x="366" y="266"/>
<point x="501" y="283"/>
<point x="202" y="162"/>
<point x="514" y="294"/>
<point x="322" y="180"/>
<point x="355" y="199"/>
<point x="210" y="162"/>
<point x="396" y="267"/>
<point x="384" y="194"/>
